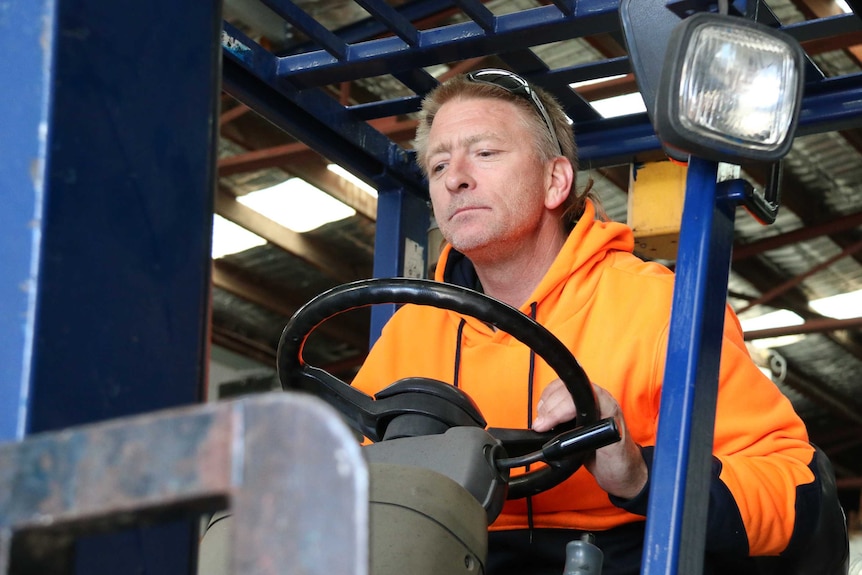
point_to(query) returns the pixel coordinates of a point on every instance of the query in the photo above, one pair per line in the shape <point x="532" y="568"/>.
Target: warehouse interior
<point x="790" y="268"/>
<point x="796" y="284"/>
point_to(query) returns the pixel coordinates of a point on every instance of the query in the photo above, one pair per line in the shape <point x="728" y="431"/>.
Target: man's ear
<point x="559" y="185"/>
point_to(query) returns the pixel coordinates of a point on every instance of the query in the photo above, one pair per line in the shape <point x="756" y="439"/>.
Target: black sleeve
<point x="725" y="531"/>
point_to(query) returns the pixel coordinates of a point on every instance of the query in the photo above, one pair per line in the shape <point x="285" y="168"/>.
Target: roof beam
<point x="838" y="225"/>
<point x="798" y="279"/>
<point x="810" y="326"/>
<point x="310" y="251"/>
<point x="824" y="9"/>
<point x="841" y="406"/>
<point x="286" y="303"/>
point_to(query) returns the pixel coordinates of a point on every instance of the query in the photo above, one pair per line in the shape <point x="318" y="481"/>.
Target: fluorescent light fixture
<point x="601" y="80"/>
<point x="297" y="205"/>
<point x="620" y="105"/>
<point x="229" y="238"/>
<point x="843" y="6"/>
<point x="841" y="306"/>
<point x="779" y="318"/>
<point x="341" y="172"/>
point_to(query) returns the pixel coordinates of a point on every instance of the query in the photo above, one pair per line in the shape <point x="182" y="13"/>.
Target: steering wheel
<point x="438" y="404"/>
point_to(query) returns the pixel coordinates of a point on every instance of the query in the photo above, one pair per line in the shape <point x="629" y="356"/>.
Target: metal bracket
<point x="763" y="206"/>
<point x="285" y="465"/>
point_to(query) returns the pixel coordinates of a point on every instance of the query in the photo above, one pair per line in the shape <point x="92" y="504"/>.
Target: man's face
<point x="487" y="183"/>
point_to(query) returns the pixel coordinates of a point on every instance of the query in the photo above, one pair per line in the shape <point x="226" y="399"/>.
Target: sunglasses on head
<point x="517" y="86"/>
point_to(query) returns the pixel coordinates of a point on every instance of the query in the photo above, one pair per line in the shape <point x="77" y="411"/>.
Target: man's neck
<point x="513" y="277"/>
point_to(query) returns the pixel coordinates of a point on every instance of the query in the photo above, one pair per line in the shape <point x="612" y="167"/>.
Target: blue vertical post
<point x="107" y="170"/>
<point x="676" y="516"/>
<point x="401" y="217"/>
<point x="25" y="90"/>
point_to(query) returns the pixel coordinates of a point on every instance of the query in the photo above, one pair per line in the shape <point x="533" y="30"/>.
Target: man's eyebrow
<point x="443" y="147"/>
<point x="440" y="148"/>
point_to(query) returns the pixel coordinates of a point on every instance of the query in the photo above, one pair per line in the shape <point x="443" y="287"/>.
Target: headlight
<point x="730" y="89"/>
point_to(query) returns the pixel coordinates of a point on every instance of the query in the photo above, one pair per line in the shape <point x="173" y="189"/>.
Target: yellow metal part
<point x="656" y="194"/>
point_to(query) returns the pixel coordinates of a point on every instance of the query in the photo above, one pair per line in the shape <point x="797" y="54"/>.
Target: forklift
<point x="413" y="446"/>
<point x="429" y="437"/>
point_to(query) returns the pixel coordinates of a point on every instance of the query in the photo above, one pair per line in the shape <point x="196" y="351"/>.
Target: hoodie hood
<point x="590" y="242"/>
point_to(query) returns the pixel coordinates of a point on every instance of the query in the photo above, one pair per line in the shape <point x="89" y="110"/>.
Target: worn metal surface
<point x="106" y="225"/>
<point x="284" y="464"/>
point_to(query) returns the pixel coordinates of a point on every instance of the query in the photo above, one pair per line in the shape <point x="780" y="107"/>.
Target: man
<point x="500" y="160"/>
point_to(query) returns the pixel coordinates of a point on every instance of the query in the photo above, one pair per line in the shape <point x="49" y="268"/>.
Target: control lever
<point x="582" y="439"/>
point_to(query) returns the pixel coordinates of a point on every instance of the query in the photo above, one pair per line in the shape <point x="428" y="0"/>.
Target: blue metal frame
<point x="405" y="217"/>
<point x="676" y="529"/>
<point x="108" y="211"/>
<point x="287" y="88"/>
<point x="107" y="224"/>
<point x="22" y="175"/>
<point x="122" y="295"/>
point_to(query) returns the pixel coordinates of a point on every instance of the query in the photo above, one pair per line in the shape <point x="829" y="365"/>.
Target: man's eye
<point x="485" y="153"/>
<point x="437" y="168"/>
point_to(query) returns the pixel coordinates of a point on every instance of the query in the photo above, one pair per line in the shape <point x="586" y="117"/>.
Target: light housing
<point x="730" y="90"/>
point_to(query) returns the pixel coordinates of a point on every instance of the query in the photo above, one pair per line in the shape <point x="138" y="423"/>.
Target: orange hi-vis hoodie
<point x="612" y="310"/>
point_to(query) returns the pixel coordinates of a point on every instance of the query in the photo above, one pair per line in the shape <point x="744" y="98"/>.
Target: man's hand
<point x="618" y="468"/>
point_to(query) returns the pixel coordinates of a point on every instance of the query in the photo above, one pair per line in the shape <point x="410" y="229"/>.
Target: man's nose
<point x="458" y="176"/>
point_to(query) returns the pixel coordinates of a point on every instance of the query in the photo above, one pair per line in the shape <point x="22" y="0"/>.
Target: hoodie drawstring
<point x="458" y="338"/>
<point x="530" y="383"/>
<point x="530" y="388"/>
